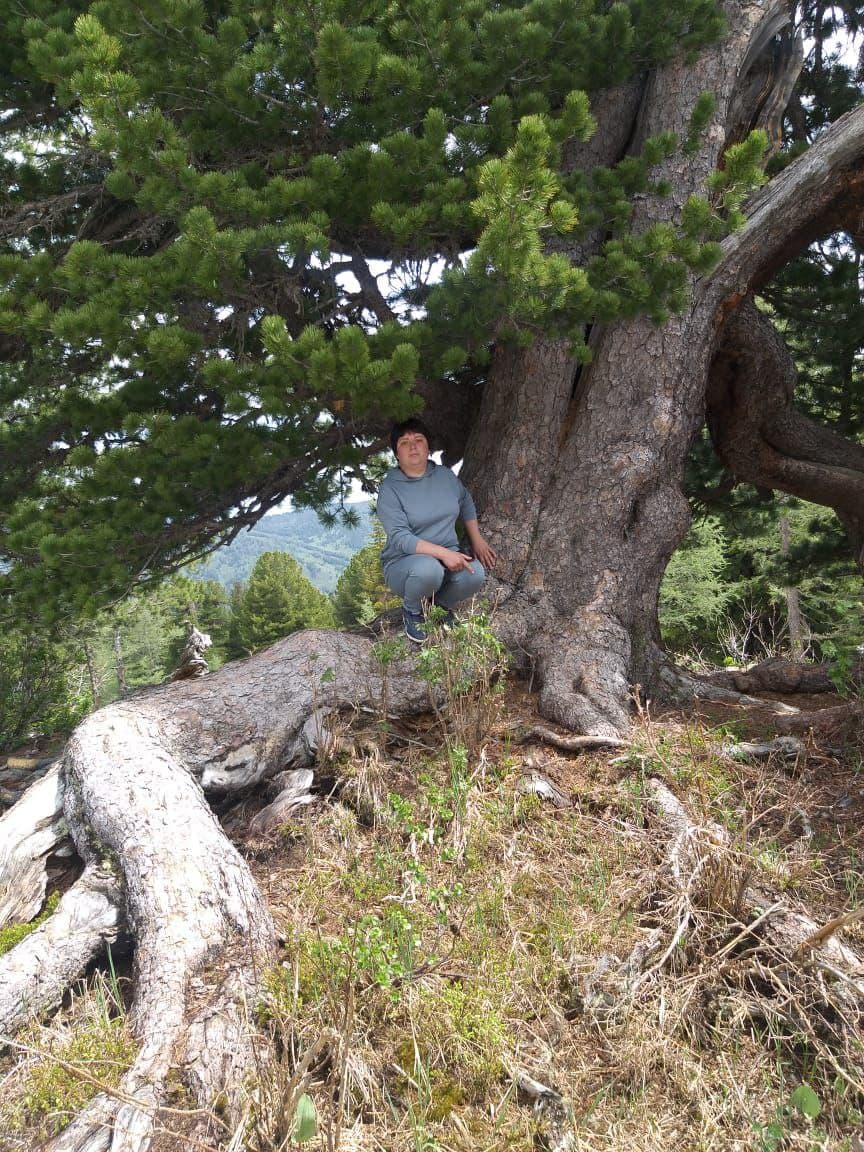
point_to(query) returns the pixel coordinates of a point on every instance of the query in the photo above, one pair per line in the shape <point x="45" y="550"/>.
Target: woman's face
<point x="412" y="452"/>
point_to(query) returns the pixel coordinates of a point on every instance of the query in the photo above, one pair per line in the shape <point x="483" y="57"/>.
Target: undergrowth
<point x="447" y="931"/>
<point x="13" y="934"/>
<point x="60" y="1066"/>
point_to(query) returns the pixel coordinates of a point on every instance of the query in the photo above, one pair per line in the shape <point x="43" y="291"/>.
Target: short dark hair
<point x="412" y="424"/>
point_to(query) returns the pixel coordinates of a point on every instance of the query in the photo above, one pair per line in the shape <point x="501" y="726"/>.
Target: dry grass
<point x="445" y="934"/>
<point x="451" y="932"/>
<point x="54" y="1069"/>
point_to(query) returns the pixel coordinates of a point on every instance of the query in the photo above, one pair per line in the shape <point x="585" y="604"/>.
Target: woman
<point x="419" y="503"/>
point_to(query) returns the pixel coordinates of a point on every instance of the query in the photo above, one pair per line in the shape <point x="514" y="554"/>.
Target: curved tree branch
<point x="789" y="213"/>
<point x="762" y="439"/>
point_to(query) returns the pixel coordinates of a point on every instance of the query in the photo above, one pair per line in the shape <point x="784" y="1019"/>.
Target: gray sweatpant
<point x="420" y="577"/>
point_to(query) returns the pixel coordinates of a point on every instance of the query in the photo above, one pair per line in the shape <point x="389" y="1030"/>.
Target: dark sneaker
<point x="414" y="626"/>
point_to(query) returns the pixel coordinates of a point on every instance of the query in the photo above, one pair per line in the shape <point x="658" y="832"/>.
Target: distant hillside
<point x="321" y="552"/>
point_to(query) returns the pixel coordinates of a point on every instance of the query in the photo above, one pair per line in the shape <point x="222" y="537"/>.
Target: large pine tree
<point x="278" y="600"/>
<point x="238" y="241"/>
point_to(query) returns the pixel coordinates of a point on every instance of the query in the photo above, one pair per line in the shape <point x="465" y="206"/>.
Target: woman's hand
<point x="484" y="553"/>
<point x="455" y="561"/>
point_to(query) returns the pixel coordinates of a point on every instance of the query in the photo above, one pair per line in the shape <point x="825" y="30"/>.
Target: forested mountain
<point x="321" y="550"/>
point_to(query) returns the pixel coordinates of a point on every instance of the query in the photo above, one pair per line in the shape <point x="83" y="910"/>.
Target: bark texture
<point x="578" y="472"/>
<point x="787" y="676"/>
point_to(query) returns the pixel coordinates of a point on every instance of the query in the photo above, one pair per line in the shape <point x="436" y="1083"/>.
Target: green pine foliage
<point x="42" y="686"/>
<point x="724" y="592"/>
<point x="277" y="600"/>
<point x="816" y="303"/>
<point x="188" y="183"/>
<point x="147" y="631"/>
<point x="696" y="590"/>
<point x="361" y="593"/>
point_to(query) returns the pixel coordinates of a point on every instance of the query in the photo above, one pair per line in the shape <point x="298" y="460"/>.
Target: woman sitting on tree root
<point x="419" y="503"/>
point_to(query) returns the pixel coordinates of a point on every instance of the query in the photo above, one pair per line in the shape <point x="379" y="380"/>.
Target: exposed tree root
<point x="29" y="832"/>
<point x="35" y="975"/>
<point x="570" y="743"/>
<point x="843" y="721"/>
<point x="788" y="747"/>
<point x="839" y="721"/>
<point x="585" y="684"/>
<point x="781" y="675"/>
<point x="133" y="782"/>
<point x="682" y="686"/>
<point x="745" y="948"/>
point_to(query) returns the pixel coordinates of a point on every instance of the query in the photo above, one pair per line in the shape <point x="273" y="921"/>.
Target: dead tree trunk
<point x="133" y="785"/>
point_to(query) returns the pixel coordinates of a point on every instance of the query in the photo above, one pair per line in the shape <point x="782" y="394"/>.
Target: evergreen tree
<point x="361" y="593"/>
<point x="202" y="603"/>
<point x="696" y="589"/>
<point x="173" y="292"/>
<point x="236" y="649"/>
<point x="277" y="601"/>
<point x="221" y="280"/>
<point x="43" y="685"/>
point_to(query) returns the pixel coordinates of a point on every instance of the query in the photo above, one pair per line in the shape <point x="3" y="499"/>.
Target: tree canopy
<point x="194" y="321"/>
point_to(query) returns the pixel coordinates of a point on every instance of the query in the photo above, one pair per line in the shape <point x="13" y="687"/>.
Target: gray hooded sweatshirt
<point x="415" y="508"/>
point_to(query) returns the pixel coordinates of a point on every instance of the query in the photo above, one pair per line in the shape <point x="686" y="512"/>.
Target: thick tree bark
<point x="762" y="439"/>
<point x="578" y="473"/>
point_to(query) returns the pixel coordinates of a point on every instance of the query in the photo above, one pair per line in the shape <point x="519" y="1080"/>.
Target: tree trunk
<point x="794" y="618"/>
<point x="119" y="663"/>
<point x="578" y="472"/>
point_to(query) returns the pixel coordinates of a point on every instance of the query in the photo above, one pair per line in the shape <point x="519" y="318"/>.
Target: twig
<point x="817" y="938"/>
<point x="570" y="743"/>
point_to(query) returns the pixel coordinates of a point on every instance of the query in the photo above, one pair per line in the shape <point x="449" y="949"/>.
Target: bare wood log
<point x="32" y="829"/>
<point x="36" y="973"/>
